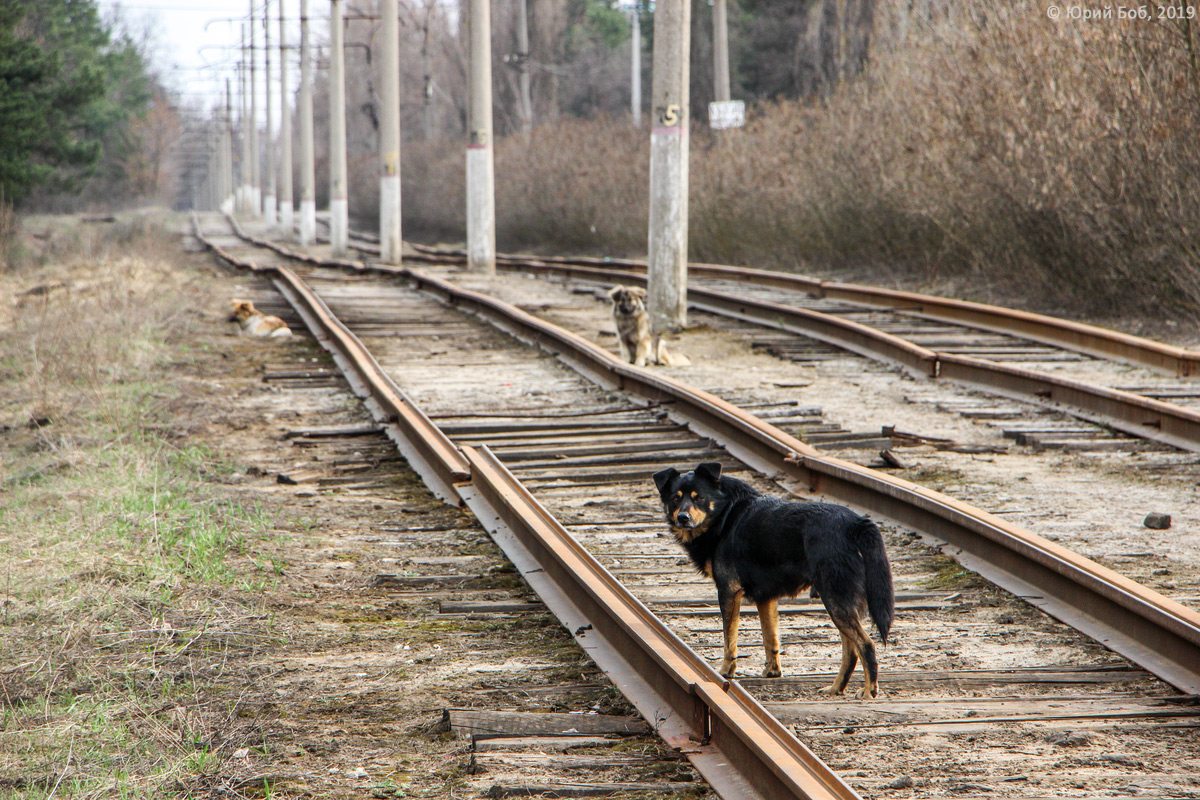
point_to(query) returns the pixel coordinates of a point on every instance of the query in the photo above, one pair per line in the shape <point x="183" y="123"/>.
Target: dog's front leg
<point x="643" y="352"/>
<point x="768" y="617"/>
<point x="731" y="615"/>
<point x="625" y="356"/>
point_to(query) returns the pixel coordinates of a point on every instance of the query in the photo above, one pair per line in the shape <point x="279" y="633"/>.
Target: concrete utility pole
<point x="720" y="51"/>
<point x="526" y="98"/>
<point x="389" y="135"/>
<point x="427" y="105"/>
<point x="339" y="222"/>
<point x="244" y="202"/>
<point x="668" y="246"/>
<point x="286" y="200"/>
<point x="481" y="209"/>
<point x="635" y="63"/>
<point x="228" y="201"/>
<point x="269" y="190"/>
<point x="255" y="163"/>
<point x="216" y="171"/>
<point x="308" y="177"/>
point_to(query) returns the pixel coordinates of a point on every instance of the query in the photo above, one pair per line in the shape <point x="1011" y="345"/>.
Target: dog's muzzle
<point x="684" y="520"/>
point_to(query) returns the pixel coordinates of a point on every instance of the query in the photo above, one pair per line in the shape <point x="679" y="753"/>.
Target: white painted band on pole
<point x="339" y="225"/>
<point x="481" y="232"/>
<point x="269" y="207"/>
<point x="389" y="219"/>
<point x="308" y="222"/>
<point x="287" y="218"/>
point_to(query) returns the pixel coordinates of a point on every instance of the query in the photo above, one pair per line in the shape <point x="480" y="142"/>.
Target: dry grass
<point x="108" y="538"/>
<point x="985" y="145"/>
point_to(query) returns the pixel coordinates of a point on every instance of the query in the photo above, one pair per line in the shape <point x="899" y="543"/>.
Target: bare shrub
<point x="578" y="184"/>
<point x="984" y="144"/>
<point x="433" y="178"/>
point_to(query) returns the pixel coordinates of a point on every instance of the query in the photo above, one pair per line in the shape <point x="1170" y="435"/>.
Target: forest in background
<point x="86" y="121"/>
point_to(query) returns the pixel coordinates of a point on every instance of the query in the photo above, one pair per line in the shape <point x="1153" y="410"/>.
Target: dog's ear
<point x="236" y="304"/>
<point x="637" y="291"/>
<point x="614" y="291"/>
<point x="709" y="470"/>
<point x="664" y="477"/>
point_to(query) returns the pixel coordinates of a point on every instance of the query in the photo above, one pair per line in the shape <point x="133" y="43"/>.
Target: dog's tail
<point x="881" y="601"/>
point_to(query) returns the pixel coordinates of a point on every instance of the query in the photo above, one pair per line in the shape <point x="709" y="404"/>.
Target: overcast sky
<point x="190" y="35"/>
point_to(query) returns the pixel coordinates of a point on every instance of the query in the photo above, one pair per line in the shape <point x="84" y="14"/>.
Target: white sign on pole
<point x="726" y="114"/>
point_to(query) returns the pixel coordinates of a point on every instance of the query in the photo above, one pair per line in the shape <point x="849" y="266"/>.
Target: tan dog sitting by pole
<point x="639" y="346"/>
<point x="255" y="323"/>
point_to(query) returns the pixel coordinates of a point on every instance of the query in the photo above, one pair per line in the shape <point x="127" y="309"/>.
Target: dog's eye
<point x="678" y="495"/>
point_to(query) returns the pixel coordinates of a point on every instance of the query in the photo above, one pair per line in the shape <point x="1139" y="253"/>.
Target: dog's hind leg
<point x="849" y="661"/>
<point x="856" y="645"/>
<point x="866" y="653"/>
<point x="768" y="617"/>
<point x="731" y="615"/>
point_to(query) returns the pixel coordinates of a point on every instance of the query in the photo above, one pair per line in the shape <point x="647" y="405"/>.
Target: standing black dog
<point x="765" y="548"/>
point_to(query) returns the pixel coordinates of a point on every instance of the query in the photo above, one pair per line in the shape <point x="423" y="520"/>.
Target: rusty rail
<point x="432" y="455"/>
<point x="1151" y="630"/>
<point x="1066" y="334"/>
<point x="1157" y="633"/>
<point x="1134" y="414"/>
<point x="734" y="743"/>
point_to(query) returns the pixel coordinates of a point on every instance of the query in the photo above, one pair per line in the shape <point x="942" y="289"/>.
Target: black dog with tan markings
<point x="765" y="548"/>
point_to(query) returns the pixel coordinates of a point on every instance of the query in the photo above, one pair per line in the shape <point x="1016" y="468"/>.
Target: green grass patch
<point x="127" y="574"/>
<point x="949" y="575"/>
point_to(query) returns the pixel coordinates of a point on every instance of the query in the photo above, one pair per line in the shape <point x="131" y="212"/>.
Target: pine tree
<point x="41" y="112"/>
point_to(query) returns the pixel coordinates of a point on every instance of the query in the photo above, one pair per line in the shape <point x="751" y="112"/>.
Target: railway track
<point x="584" y="452"/>
<point x="1010" y="456"/>
<point x="1030" y="358"/>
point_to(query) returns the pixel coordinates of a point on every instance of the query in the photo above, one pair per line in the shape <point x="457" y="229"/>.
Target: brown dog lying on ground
<point x="255" y="323"/>
<point x="637" y="343"/>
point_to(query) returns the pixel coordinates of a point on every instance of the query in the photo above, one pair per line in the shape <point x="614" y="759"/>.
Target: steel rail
<point x="430" y="452"/>
<point x="1066" y="334"/>
<point x="1153" y="631"/>
<point x="711" y="720"/>
<point x="1134" y="414"/>
<point x="1157" y="633"/>
<point x="734" y="743"/>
